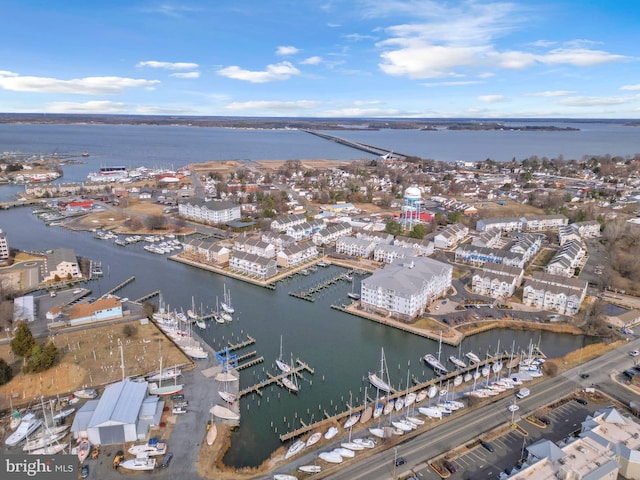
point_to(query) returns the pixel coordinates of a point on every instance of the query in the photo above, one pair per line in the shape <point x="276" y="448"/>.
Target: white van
<point x="524" y="392"/>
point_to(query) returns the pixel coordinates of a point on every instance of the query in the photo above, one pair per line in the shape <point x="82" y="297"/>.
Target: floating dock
<point x="299" y="367"/>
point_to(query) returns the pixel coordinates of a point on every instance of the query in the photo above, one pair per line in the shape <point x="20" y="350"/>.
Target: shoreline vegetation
<point x="427" y="124"/>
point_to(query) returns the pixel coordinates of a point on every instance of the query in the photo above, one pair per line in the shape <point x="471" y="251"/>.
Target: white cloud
<point x="94" y="106"/>
<point x="278" y="71"/>
<point x="594" y="101"/>
<point x="286" y="50"/>
<point x="361" y="103"/>
<point x="185" y="75"/>
<point x="272" y="105"/>
<point x="579" y="57"/>
<point x="492" y="98"/>
<point x="315" y="60"/>
<point x="543" y="43"/>
<point x="630" y="87"/>
<point x="364" y="112"/>
<point x="551" y="93"/>
<point x="80" y="86"/>
<point x="357" y="37"/>
<point x="168" y="65"/>
<point x="7" y="73"/>
<point x="455" y="83"/>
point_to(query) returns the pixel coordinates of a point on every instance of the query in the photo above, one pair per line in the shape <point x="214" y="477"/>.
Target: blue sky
<point x="324" y="58"/>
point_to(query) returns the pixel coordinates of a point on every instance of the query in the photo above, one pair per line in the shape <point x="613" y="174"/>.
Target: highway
<point x="468" y="427"/>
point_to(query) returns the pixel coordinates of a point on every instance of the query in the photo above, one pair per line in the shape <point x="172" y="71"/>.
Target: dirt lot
<point x="91" y="358"/>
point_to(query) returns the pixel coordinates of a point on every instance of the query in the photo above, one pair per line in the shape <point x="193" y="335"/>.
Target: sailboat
<point x="290" y="384"/>
<point x="353" y="294"/>
<point x="379" y="381"/>
<point x="224" y="413"/>
<point x="226" y="303"/>
<point x="283" y="366"/>
<point x="212" y="433"/>
<point x="158" y="389"/>
<point x="473" y="357"/>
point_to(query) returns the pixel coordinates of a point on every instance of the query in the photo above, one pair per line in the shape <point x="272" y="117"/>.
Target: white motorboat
<point x="344" y="452"/>
<point x="351" y="421"/>
<point x="294" y="449"/>
<point x="435" y="364"/>
<point x="422" y="394"/>
<point x="432" y="392"/>
<point x="365" y="442"/>
<point x="88" y="393"/>
<point x="226" y="377"/>
<point x="379" y="383"/>
<point x="62" y="414"/>
<point x="430" y="412"/>
<point x="415" y="420"/>
<point x="141" y="462"/>
<point x="457" y="362"/>
<point x="227" y="396"/>
<point x="28" y="425"/>
<point x="310" y="469"/>
<point x="473" y="357"/>
<point x="152" y="448"/>
<point x="330" y="457"/>
<point x="410" y="399"/>
<point x="224" y="413"/>
<point x="332" y="432"/>
<point x="401" y="426"/>
<point x="313" y="439"/>
<point x="352" y="446"/>
<point x="195" y="351"/>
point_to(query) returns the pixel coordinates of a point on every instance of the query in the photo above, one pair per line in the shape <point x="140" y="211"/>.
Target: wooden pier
<point x="237" y="346"/>
<point x="250" y="363"/>
<point x="352" y="410"/>
<point x="146" y="297"/>
<point x="277" y="379"/>
<point x="120" y="286"/>
<point x="307" y="295"/>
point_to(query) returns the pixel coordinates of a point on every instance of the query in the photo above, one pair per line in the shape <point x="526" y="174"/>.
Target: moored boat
<point x="332" y="432"/>
<point x="310" y="468"/>
<point x="473" y="357"/>
<point x="366" y="414"/>
<point x="379" y="383"/>
<point x="388" y="408"/>
<point x="422" y="394"/>
<point x="457" y="362"/>
<point x="435" y="364"/>
<point x="313" y="439"/>
<point x="378" y="410"/>
<point x="294" y="449"/>
<point x="351" y="421"/>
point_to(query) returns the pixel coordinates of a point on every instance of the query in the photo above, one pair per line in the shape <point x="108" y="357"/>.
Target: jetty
<point x="308" y="294"/>
<point x="363" y="147"/>
<point x="120" y="286"/>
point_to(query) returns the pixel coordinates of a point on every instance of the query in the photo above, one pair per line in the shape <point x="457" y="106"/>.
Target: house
<point x="496" y="281"/>
<point x="506" y="224"/>
<point x="331" y="233"/>
<point x="527" y="245"/>
<point x="488" y="238"/>
<point x="124" y="413"/>
<point x="80" y="206"/>
<point x="567" y="259"/>
<point x="61" y="264"/>
<point x="568" y="234"/>
<point x="281" y="224"/>
<point x="278" y="240"/>
<point x="422" y="247"/>
<point x="305" y="230"/>
<point x="209" y="211"/>
<point x="106" y="308"/>
<point x="404" y="288"/>
<point x="206" y="251"/>
<point x="297" y="254"/>
<point x="481" y="255"/>
<point x="254" y="245"/>
<point x="555" y="293"/>
<point x="355" y="247"/>
<point x="450" y="236"/>
<point x="253" y="265"/>
<point x="535" y="223"/>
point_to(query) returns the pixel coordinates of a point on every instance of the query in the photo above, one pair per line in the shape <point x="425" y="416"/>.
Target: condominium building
<point x="555" y="293"/>
<point x="355" y="247"/>
<point x="497" y="281"/>
<point x="404" y="288"/>
<point x="450" y="236"/>
<point x="4" y="246"/>
<point x="209" y="212"/>
<point x="567" y="259"/>
<point x="253" y="265"/>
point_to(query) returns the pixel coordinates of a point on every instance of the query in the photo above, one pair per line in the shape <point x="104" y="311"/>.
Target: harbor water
<point x="341" y="348"/>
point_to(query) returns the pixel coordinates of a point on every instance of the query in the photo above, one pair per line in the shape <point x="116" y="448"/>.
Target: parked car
<point x="545" y="420"/>
<point x="581" y="401"/>
<point x="634" y="353"/>
<point x="449" y="466"/>
<point x="84" y="471"/>
<point x="487" y="446"/>
<point x="584" y="375"/>
<point x="179" y="410"/>
<point x="400" y="461"/>
<point x="166" y="460"/>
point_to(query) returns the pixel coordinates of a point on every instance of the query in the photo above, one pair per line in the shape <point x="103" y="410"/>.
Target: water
<point x="341" y="348"/>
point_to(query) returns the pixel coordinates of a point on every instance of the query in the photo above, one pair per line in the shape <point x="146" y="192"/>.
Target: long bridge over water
<point x="382" y="152"/>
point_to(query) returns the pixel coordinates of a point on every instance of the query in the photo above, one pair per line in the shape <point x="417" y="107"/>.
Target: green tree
<point x="5" y="372"/>
<point x="393" y="227"/>
<point x="418" y="231"/>
<point x="23" y="341"/>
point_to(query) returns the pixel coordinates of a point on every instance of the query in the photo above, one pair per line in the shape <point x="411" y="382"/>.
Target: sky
<point x="322" y="58"/>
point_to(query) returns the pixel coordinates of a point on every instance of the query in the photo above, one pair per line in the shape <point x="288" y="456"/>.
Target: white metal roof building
<point x="124" y="413"/>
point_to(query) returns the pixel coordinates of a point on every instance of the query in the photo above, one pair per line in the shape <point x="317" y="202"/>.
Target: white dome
<point x="412" y="193"/>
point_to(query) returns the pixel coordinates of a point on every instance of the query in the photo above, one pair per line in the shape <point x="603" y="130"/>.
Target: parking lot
<point x="472" y="461"/>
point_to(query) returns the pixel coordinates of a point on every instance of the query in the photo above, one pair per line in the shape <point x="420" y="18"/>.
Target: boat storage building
<point x="124" y="413"/>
